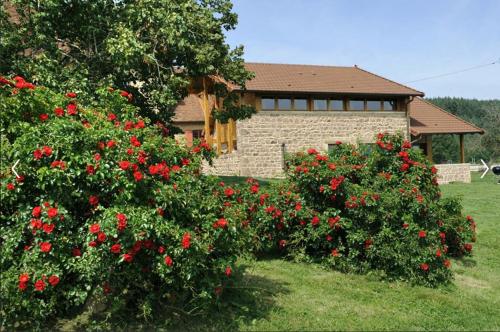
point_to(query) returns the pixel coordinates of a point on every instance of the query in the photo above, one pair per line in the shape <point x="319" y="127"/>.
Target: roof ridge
<point x="296" y="64"/>
<point x="453" y="115"/>
<point x="405" y="86"/>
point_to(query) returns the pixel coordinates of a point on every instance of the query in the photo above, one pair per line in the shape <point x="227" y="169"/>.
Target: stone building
<point x="304" y="106"/>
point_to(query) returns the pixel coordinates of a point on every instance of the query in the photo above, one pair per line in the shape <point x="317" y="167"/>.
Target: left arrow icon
<point x="14" y="168"/>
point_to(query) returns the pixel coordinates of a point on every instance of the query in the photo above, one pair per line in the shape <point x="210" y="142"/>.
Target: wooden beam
<point x="462" y="150"/>
<point x="206" y="113"/>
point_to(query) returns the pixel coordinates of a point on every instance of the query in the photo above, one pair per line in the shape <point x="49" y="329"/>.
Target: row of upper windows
<point x="302" y="104"/>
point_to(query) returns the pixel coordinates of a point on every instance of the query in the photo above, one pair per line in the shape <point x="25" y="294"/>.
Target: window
<point x="198" y="134"/>
<point x="390" y="105"/>
<point x="356" y="105"/>
<point x="267" y="104"/>
<point x="300" y="104"/>
<point x="373" y="105"/>
<point x="320" y="104"/>
<point x="336" y="105"/>
<point x="284" y="104"/>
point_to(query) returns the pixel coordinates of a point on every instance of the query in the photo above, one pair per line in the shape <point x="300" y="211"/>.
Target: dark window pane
<point x="336" y="105"/>
<point x="356" y="105"/>
<point x="300" y="104"/>
<point x="373" y="105"/>
<point x="284" y="104"/>
<point x="268" y="103"/>
<point x="198" y="134"/>
<point x="389" y="105"/>
<point x="320" y="104"/>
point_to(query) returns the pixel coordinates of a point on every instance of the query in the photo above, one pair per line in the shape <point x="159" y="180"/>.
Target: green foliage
<point x="484" y="114"/>
<point x="149" y="48"/>
<point x="104" y="203"/>
<point x="360" y="213"/>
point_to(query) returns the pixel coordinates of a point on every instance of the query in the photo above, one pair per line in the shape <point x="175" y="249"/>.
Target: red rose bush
<point x="101" y="203"/>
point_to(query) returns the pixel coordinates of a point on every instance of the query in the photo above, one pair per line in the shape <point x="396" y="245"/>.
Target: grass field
<point x="273" y="294"/>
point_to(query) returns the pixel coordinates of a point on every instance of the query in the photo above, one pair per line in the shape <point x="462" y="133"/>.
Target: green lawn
<point x="273" y="294"/>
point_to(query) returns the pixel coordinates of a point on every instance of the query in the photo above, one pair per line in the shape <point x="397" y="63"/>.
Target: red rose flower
<point x="94" y="228"/>
<point x="111" y="144"/>
<point x="282" y="244"/>
<point x="134" y="141"/>
<point x="76" y="252"/>
<point x="424" y="267"/>
<point x="71" y="95"/>
<point x="315" y="221"/>
<point x="169" y="261"/>
<point x="335" y="252"/>
<point x="37" y="154"/>
<point x="447" y="263"/>
<point x="186" y="240"/>
<point x="254" y="189"/>
<point x="101" y="237"/>
<point x="111" y="117"/>
<point x="221" y="223"/>
<point x="122" y="221"/>
<point x="422" y="234"/>
<point x="53" y="280"/>
<point x="10" y="186"/>
<point x="24" y="278"/>
<point x="47" y="150"/>
<point x="438" y="253"/>
<point x="116" y="248"/>
<point x="161" y="249"/>
<point x="468" y="247"/>
<point x="58" y="111"/>
<point x="45" y="247"/>
<point x="93" y="200"/>
<point x="90" y="169"/>
<point x="48" y="228"/>
<point x="71" y="107"/>
<point x="405" y="226"/>
<point x="128" y="258"/>
<point x="228" y="192"/>
<point x="228" y="271"/>
<point x="124" y="165"/>
<point x="43" y="117"/>
<point x="22" y="286"/>
<point x="97" y="157"/>
<point x="312" y="151"/>
<point x="52" y="212"/>
<point x="40" y="285"/>
<point x="138" y="176"/>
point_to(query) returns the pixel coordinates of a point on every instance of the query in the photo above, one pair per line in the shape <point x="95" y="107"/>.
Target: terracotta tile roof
<point x="427" y="118"/>
<point x="189" y="110"/>
<point x="321" y="79"/>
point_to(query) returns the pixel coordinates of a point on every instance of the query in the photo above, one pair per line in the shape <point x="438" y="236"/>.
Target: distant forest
<point x="482" y="113"/>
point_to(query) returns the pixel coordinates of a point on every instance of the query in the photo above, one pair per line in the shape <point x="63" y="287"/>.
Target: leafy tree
<point x="151" y="48"/>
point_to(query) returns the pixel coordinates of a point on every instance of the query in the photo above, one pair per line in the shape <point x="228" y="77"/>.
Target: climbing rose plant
<point x="104" y="204"/>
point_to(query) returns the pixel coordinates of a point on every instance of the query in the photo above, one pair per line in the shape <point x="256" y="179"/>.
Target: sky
<point x="402" y="40"/>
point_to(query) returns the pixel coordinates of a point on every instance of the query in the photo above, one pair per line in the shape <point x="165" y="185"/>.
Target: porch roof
<point x="427" y="118"/>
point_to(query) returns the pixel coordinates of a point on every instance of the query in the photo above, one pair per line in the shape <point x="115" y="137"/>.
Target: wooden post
<point x="462" y="151"/>
<point x="206" y="113"/>
<point x="428" y="140"/>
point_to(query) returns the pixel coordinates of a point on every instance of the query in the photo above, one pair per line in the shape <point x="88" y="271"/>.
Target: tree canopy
<point x="149" y="47"/>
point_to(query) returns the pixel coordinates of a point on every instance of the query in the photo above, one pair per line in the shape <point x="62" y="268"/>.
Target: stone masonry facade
<point x="267" y="136"/>
<point x="453" y="173"/>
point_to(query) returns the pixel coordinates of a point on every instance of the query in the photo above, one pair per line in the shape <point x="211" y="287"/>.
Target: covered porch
<point x="426" y="121"/>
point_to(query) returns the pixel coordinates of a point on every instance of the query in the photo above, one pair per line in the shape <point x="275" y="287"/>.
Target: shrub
<point x="104" y="203"/>
<point x="378" y="212"/>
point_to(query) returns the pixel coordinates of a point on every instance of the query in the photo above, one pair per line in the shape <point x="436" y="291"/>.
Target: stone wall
<point x="453" y="173"/>
<point x="264" y="138"/>
<point x="226" y="164"/>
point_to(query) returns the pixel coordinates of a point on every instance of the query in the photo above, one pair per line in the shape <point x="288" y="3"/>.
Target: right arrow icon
<point x="487" y="169"/>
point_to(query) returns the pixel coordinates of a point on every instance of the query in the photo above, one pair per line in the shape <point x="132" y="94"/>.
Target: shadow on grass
<point x="247" y="299"/>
